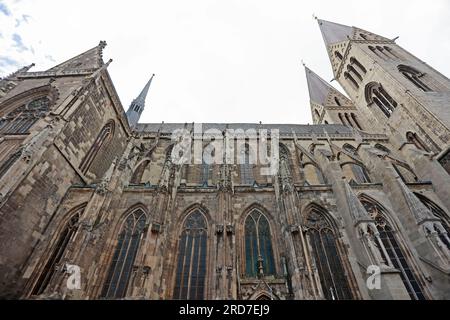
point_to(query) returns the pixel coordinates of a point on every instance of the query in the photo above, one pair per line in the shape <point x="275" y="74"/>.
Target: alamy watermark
<point x="232" y="146"/>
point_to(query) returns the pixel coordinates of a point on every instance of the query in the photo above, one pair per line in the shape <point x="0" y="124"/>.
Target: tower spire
<point x="137" y="106"/>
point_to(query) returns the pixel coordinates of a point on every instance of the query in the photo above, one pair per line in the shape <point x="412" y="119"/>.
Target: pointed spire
<point x="319" y="89"/>
<point x="334" y="32"/>
<point x="137" y="106"/>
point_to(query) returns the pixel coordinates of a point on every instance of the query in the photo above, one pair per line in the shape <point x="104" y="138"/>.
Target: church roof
<point x="167" y="128"/>
<point x="318" y="88"/>
<point x="334" y="32"/>
<point x="87" y="61"/>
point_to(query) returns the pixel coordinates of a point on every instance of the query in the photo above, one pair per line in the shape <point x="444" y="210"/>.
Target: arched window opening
<point x="351" y="80"/>
<point x="313" y="175"/>
<point x="438" y="213"/>
<point x="414" y="138"/>
<point x="347" y="117"/>
<point x="391" y="51"/>
<point x="351" y="70"/>
<point x="246" y="167"/>
<point x="349" y="148"/>
<point x="20" y="120"/>
<point x="57" y="253"/>
<point x="381" y="50"/>
<point x="444" y="161"/>
<point x="338" y="55"/>
<point x="375" y="51"/>
<point x="102" y="140"/>
<point x="355" y="120"/>
<point x="190" y="274"/>
<point x="128" y="241"/>
<point x="328" y="260"/>
<point x="317" y="115"/>
<point x="356" y="173"/>
<point x="342" y="119"/>
<point x="414" y="76"/>
<point x="259" y="257"/>
<point x="363" y="36"/>
<point x="338" y="103"/>
<point x="355" y="62"/>
<point x="394" y="251"/>
<point x="376" y="94"/>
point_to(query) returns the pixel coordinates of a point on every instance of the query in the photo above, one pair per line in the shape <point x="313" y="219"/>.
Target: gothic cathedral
<point x="92" y="205"/>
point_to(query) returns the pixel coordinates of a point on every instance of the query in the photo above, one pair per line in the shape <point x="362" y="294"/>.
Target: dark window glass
<point x="258" y="245"/>
<point x="191" y="259"/>
<point x="445" y="161"/>
<point x="23" y="118"/>
<point x="327" y="258"/>
<point x="119" y="273"/>
<point x="57" y="254"/>
<point x="394" y="251"/>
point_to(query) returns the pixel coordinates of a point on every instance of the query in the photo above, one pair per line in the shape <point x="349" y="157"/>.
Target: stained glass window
<point x="23" y="118"/>
<point x="57" y="254"/>
<point x="326" y="255"/>
<point x="119" y="273"/>
<point x="191" y="259"/>
<point x="258" y="245"/>
<point x="394" y="251"/>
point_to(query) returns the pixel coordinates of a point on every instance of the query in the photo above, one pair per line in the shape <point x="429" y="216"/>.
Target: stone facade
<point x="368" y="185"/>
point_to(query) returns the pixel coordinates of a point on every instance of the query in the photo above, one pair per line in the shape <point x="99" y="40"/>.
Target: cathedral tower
<point x="402" y="95"/>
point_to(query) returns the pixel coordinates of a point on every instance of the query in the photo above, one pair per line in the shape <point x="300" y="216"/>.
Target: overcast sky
<point x="215" y="61"/>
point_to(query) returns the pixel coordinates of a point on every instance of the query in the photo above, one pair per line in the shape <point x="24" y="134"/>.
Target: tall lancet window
<point x="414" y="76"/>
<point x="375" y="93"/>
<point x="394" y="251"/>
<point x="190" y="274"/>
<point x="57" y="253"/>
<point x="102" y="140"/>
<point x="24" y="117"/>
<point x="328" y="261"/>
<point x="258" y="246"/>
<point x="438" y="213"/>
<point x="246" y="166"/>
<point x="119" y="273"/>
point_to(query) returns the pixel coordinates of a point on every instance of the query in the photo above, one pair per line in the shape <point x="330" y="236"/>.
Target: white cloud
<point x="216" y="61"/>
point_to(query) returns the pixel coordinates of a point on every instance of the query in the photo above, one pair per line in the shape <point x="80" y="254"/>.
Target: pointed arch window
<point x="351" y="80"/>
<point x="328" y="261"/>
<point x="246" y="167"/>
<point x="355" y="120"/>
<point x="128" y="241"/>
<point x="355" y="74"/>
<point x="354" y="62"/>
<point x="20" y="120"/>
<point x="394" y="251"/>
<point x="190" y="274"/>
<point x="258" y="246"/>
<point x="438" y="213"/>
<point x="415" y="77"/>
<point x="338" y="55"/>
<point x="102" y="140"/>
<point x="375" y="93"/>
<point x="338" y="103"/>
<point x="5" y="166"/>
<point x="414" y="138"/>
<point x="347" y="117"/>
<point x="57" y="253"/>
<point x="342" y="119"/>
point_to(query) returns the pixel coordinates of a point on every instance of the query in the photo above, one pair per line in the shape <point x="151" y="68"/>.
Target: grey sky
<point x="215" y="61"/>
